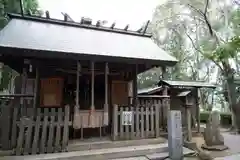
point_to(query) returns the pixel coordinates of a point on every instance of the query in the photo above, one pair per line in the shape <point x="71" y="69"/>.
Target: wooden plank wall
<point x="41" y="130"/>
<point x="147" y="121"/>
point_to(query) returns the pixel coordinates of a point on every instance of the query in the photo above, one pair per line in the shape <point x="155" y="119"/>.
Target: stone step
<point x="156" y="156"/>
<point x="142" y="152"/>
<point x="88" y="145"/>
<point x="98" y="154"/>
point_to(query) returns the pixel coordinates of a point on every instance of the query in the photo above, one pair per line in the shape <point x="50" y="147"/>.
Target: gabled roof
<point x="59" y="37"/>
<point x="198" y="84"/>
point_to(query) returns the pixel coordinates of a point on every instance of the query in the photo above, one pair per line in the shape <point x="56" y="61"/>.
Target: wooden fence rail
<point x="147" y="120"/>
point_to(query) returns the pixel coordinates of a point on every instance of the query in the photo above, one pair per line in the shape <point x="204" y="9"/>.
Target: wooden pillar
<point x="135" y="87"/>
<point x="165" y="101"/>
<point x="92" y="109"/>
<point x="1" y="70"/>
<point x="92" y="86"/>
<point x="197" y="111"/>
<point x="130" y="92"/>
<point x="105" y="121"/>
<point x="189" y="123"/>
<point x="77" y="119"/>
<point x="77" y="85"/>
<point x="23" y="88"/>
<point x="37" y="88"/>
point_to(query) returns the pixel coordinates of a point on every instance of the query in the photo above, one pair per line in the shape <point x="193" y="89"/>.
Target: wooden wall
<point x="119" y="92"/>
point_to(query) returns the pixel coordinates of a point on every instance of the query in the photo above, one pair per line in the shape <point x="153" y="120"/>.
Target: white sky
<point x="123" y="12"/>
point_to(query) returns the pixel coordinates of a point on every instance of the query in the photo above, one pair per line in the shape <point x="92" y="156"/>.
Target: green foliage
<point x="235" y="21"/>
<point x="227" y="50"/>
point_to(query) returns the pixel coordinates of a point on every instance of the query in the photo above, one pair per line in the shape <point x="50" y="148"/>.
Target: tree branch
<point x="204" y="14"/>
<point x="206" y="7"/>
<point x="195" y="47"/>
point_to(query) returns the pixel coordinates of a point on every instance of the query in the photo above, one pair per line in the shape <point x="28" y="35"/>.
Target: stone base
<point x="215" y="147"/>
<point x="190" y="145"/>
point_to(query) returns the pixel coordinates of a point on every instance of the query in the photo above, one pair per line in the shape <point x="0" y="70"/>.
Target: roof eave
<point x="197" y="86"/>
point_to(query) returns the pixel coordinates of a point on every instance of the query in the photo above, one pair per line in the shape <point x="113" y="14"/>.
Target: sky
<point x="123" y="12"/>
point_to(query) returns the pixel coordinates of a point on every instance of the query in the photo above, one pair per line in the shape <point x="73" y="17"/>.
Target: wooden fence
<point x="41" y="130"/>
<point x="148" y="118"/>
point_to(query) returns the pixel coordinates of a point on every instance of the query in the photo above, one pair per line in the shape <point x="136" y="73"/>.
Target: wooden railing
<point x="146" y="120"/>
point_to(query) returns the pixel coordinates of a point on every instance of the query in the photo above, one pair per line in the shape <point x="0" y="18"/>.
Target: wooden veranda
<point x="76" y="85"/>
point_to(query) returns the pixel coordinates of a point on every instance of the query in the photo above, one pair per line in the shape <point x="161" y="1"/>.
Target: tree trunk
<point x="233" y="102"/>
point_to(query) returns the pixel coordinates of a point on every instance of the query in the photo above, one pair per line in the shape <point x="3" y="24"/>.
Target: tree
<point x="211" y="38"/>
<point x="13" y="6"/>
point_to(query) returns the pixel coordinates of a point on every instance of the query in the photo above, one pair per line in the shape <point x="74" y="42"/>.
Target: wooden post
<point x="189" y="124"/>
<point x="92" y="95"/>
<point x="165" y="93"/>
<point x="135" y="87"/>
<point x="37" y="88"/>
<point x="1" y="69"/>
<point x="77" y="120"/>
<point x="105" y="121"/>
<point x="130" y="92"/>
<point x="197" y="111"/>
<point x="115" y="122"/>
<point x="23" y="90"/>
<point x="77" y="84"/>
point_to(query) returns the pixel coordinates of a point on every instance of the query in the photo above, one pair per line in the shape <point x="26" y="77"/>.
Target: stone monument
<point x="212" y="136"/>
<point x="175" y="138"/>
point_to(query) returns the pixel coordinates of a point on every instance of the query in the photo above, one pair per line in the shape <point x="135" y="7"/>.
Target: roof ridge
<point x="75" y="24"/>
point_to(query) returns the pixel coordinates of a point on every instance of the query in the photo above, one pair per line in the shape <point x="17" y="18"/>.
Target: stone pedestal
<point x="212" y="136"/>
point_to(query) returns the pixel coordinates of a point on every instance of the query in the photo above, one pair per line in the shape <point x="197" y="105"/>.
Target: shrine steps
<point x="90" y="144"/>
<point x="147" y="151"/>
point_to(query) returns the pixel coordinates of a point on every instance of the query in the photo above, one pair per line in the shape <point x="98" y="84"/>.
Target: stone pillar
<point x="175" y="142"/>
<point x="105" y="121"/>
<point x="212" y="135"/>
